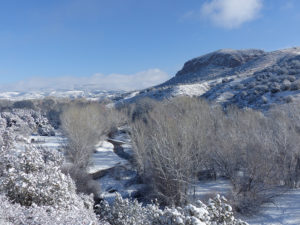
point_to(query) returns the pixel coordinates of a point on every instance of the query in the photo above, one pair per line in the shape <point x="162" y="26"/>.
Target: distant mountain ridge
<point x="60" y="93"/>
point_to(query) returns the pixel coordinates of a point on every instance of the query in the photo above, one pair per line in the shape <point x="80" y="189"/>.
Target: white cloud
<point x="231" y="13"/>
<point x="125" y="82"/>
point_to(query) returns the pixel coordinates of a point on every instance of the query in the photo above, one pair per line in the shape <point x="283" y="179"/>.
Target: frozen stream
<point x="105" y="157"/>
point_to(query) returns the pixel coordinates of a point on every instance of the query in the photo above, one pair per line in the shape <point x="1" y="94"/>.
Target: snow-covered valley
<point x="185" y="149"/>
<point x="284" y="210"/>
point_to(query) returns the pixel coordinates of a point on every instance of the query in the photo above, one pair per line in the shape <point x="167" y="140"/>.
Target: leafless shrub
<point x="286" y="126"/>
<point x="140" y="108"/>
<point x="85" y="125"/>
<point x="167" y="146"/>
<point x="258" y="152"/>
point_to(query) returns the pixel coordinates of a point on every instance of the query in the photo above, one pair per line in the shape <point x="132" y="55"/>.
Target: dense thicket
<point x="178" y="139"/>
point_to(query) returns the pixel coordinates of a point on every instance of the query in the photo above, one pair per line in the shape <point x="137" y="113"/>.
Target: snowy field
<point x="285" y="211"/>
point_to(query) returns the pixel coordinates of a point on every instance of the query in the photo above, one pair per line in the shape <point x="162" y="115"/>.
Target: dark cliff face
<point x="226" y="58"/>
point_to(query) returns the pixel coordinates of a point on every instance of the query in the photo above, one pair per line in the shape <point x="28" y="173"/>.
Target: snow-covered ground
<point x="50" y="142"/>
<point x="205" y="189"/>
<point x="105" y="158"/>
<point x="197" y="89"/>
<point x="284" y="211"/>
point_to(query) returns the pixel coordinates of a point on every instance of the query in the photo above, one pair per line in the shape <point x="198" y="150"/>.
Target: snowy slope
<point x="248" y="78"/>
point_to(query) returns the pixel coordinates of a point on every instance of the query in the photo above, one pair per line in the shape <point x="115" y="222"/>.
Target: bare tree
<point x="85" y="125"/>
<point x="257" y="152"/>
<point x="167" y="147"/>
<point x="177" y="138"/>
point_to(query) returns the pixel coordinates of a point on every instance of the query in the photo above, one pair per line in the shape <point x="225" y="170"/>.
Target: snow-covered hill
<point x="252" y="78"/>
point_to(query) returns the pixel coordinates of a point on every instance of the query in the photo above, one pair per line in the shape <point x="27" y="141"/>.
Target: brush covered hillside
<point x="252" y="78"/>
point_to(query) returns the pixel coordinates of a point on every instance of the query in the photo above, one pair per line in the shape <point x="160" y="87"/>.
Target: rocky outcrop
<point x="225" y="58"/>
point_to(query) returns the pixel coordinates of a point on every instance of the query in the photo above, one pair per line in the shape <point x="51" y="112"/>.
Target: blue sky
<point x="67" y="41"/>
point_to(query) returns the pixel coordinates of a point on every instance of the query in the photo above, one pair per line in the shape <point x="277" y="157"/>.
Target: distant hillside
<point x="249" y="78"/>
<point x="252" y="78"/>
<point x="72" y="94"/>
